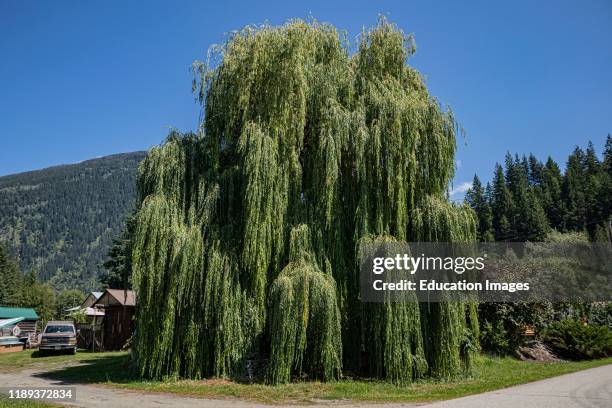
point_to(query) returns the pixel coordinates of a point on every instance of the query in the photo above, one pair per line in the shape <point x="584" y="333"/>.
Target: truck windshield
<point x="59" y="329"/>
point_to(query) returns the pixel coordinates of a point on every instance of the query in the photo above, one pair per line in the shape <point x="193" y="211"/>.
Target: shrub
<point x="494" y="338"/>
<point x="578" y="341"/>
<point x="502" y="324"/>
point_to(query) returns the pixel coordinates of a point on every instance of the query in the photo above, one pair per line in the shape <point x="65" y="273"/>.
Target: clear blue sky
<point x="82" y="79"/>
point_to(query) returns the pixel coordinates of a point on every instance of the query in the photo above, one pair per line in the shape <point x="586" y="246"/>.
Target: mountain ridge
<point x="77" y="163"/>
<point x="59" y="221"/>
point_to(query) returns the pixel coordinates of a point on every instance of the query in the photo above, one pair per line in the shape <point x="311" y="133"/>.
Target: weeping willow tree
<point x="249" y="233"/>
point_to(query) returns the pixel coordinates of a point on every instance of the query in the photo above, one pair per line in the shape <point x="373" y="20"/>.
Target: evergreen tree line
<point x="25" y="290"/>
<point x="528" y="198"/>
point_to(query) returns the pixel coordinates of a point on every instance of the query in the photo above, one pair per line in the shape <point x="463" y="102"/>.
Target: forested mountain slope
<point x="59" y="221"/>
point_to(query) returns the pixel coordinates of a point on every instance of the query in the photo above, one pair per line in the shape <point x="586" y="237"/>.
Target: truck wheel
<point x="73" y="351"/>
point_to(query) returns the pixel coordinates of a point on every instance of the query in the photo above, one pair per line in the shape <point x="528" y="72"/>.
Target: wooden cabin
<point x="90" y="322"/>
<point x="9" y="332"/>
<point x="119" y="308"/>
<point x="27" y="326"/>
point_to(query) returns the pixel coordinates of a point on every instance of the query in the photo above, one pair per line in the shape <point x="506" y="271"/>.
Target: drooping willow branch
<point x="248" y="234"/>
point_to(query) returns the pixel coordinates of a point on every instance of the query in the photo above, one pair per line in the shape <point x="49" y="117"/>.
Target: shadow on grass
<point x="116" y="369"/>
<point x="50" y="353"/>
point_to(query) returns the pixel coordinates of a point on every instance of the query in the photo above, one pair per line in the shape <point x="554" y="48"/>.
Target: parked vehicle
<point x="59" y="336"/>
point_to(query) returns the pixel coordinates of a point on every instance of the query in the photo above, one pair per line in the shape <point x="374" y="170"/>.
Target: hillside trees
<point x="11" y="282"/>
<point x="25" y="290"/>
<point x="59" y="221"/>
<point x="38" y="296"/>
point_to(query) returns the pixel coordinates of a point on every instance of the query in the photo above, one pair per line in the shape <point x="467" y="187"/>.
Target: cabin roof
<point x="91" y="299"/>
<point x="112" y="297"/>
<point x="10" y="322"/>
<point x="11" y="312"/>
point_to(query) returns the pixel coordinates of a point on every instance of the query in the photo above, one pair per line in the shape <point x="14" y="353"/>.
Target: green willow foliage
<point x="248" y="235"/>
<point x="305" y="320"/>
<point x="395" y="330"/>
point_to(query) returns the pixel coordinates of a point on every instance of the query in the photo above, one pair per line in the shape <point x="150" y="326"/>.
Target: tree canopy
<point x="247" y="234"/>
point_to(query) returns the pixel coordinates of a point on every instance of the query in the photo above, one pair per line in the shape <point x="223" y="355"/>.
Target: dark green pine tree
<point x="528" y="218"/>
<point x="119" y="263"/>
<point x="535" y="177"/>
<point x="593" y="184"/>
<point x="10" y="280"/>
<point x="502" y="206"/>
<point x="551" y="195"/>
<point x="478" y="200"/>
<point x="524" y="169"/>
<point x="536" y="171"/>
<point x="530" y="222"/>
<point x="573" y="192"/>
<point x="607" y="157"/>
<point x="605" y="194"/>
<point x="516" y="173"/>
<point x="489" y="197"/>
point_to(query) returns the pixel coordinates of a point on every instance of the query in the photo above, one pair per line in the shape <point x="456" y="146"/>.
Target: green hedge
<point x="578" y="341"/>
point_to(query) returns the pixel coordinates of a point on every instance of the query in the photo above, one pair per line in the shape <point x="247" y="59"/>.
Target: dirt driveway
<point x="588" y="388"/>
<point x="100" y="396"/>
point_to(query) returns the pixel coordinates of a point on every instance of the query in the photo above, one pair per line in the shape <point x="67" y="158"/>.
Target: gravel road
<point x="588" y="388"/>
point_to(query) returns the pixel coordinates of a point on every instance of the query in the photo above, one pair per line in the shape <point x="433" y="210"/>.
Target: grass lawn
<point x="32" y="359"/>
<point x="113" y="369"/>
<point x="5" y="402"/>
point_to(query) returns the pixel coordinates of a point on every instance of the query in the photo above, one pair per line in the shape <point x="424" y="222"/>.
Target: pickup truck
<point x="58" y="336"/>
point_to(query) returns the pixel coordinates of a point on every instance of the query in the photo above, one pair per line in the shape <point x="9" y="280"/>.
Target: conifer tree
<point x="515" y="174"/>
<point x="527" y="218"/>
<point x="605" y="195"/>
<point x="594" y="180"/>
<point x="119" y="262"/>
<point x="476" y="197"/>
<point x="574" y="182"/>
<point x="536" y="171"/>
<point x="530" y="219"/>
<point x="502" y="206"/>
<point x="552" y="200"/>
